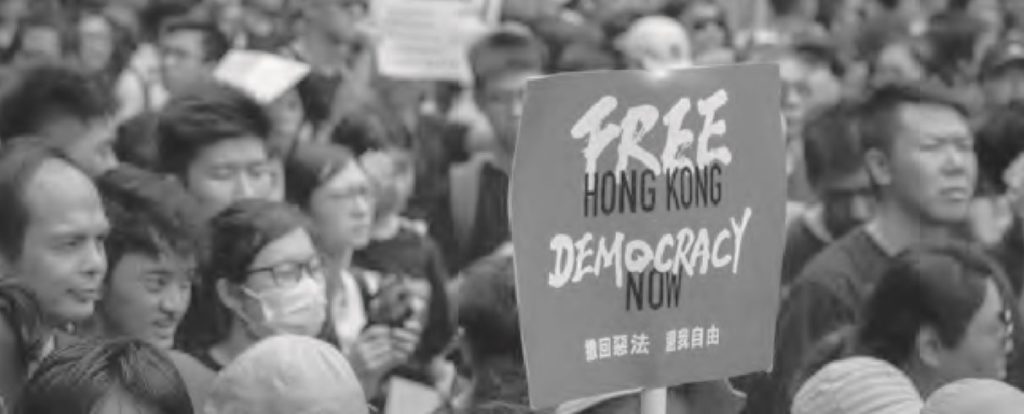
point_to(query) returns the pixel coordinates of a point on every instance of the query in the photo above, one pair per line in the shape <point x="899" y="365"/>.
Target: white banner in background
<point x="428" y="39"/>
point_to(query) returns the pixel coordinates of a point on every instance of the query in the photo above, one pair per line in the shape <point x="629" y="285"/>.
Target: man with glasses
<point x="215" y="141"/>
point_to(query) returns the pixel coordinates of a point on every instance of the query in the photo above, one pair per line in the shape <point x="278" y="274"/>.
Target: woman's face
<point x="982" y="351"/>
<point x="284" y="265"/>
<point x="96" y="42"/>
<point x="342" y="209"/>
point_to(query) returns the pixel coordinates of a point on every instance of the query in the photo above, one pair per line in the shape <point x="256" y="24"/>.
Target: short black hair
<point x="310" y="165"/>
<point x="203" y="116"/>
<point x="1000" y="140"/>
<point x="215" y="42"/>
<point x="487" y="308"/>
<point x="150" y="214"/>
<point x="879" y="115"/>
<point x="505" y="51"/>
<point x="137" y="142"/>
<point x="158" y="12"/>
<point x="37" y="93"/>
<point x="20" y="160"/>
<point x="832" y="147"/>
<point x="940" y="286"/>
<point x="74" y="379"/>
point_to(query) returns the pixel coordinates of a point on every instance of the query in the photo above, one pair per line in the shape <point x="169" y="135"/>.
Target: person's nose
<point x="362" y="206"/>
<point x="175" y="300"/>
<point x="955" y="159"/>
<point x="94" y="260"/>
<point x="862" y="207"/>
<point x="245" y="186"/>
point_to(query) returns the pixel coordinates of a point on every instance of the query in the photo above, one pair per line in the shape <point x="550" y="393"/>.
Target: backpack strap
<point x="465" y="191"/>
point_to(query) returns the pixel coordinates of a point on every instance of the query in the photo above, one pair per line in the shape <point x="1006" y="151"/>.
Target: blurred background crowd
<point x="178" y="237"/>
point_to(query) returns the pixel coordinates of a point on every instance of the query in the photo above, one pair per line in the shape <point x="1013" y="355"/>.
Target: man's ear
<point x="879" y="167"/>
<point x="928" y="347"/>
<point x="227" y="297"/>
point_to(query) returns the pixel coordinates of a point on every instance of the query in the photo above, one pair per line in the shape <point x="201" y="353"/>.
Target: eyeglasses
<point x="701" y="24"/>
<point x="290" y="273"/>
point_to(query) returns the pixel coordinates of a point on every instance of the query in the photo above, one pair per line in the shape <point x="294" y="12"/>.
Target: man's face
<point x="63" y="260"/>
<point x="88" y="143"/>
<point x="805" y="86"/>
<point x="848" y="202"/>
<point x="182" y="56"/>
<point x="146" y="297"/>
<point x="343" y="208"/>
<point x="707" y="25"/>
<point x="96" y="42"/>
<point x="897" y="63"/>
<point x="228" y="171"/>
<point x="985" y="344"/>
<point x="932" y="168"/>
<point x="40" y="43"/>
<point x="501" y="100"/>
<point x="339" y="19"/>
<point x="1005" y="85"/>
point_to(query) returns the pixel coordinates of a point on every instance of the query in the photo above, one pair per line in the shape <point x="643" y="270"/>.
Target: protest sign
<point x="647" y="214"/>
<point x="263" y="75"/>
<point x="428" y="39"/>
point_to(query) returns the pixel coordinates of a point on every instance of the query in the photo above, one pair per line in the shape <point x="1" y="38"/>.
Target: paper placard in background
<point x="263" y="75"/>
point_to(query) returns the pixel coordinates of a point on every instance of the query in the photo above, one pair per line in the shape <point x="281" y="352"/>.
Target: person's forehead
<point x="933" y="119"/>
<point x="164" y="260"/>
<point x="233" y="151"/>
<point x="509" y="80"/>
<point x="58" y="190"/>
<point x="352" y="176"/>
<point x="294" y="245"/>
<point x="185" y="36"/>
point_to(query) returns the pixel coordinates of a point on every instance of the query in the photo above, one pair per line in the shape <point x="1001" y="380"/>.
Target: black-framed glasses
<point x="290" y="273"/>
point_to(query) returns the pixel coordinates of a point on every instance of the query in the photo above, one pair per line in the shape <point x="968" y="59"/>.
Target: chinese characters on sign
<point x="646" y="212"/>
<point x="676" y="340"/>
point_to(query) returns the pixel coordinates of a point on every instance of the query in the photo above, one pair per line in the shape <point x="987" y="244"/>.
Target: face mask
<point x="299" y="310"/>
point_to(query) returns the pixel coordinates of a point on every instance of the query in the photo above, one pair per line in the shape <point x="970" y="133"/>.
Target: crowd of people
<point x="173" y="242"/>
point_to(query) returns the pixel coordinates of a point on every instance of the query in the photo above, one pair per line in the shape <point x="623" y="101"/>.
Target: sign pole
<point x="654" y="401"/>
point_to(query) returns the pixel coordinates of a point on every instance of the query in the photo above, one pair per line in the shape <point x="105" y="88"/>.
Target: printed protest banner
<point x="647" y="215"/>
<point x="428" y="39"/>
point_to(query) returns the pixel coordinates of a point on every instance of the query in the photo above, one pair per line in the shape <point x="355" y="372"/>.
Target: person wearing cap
<point x="1002" y="72"/>
<point x="975" y="396"/>
<point x="287" y="374"/>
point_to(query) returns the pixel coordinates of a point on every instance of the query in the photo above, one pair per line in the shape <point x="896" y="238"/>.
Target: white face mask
<point x="298" y="310"/>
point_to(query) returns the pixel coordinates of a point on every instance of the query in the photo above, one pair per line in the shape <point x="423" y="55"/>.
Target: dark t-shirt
<point x="828" y="295"/>
<point x="825" y="296"/>
<point x="490" y="228"/>
<point x="802" y="244"/>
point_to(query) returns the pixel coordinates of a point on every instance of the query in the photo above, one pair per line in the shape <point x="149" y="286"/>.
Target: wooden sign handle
<point x="654" y="401"/>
